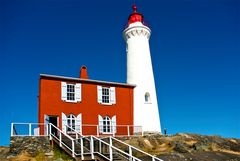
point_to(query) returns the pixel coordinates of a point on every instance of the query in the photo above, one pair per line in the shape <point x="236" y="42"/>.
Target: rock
<point x="31" y="145"/>
<point x="180" y="147"/>
<point x="49" y="153"/>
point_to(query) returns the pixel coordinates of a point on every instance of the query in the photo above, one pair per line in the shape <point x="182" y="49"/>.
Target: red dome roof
<point x="135" y="16"/>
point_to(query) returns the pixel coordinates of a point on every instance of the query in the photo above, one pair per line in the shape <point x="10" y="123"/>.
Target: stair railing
<point x="131" y="148"/>
<point x="106" y="149"/>
<point x="56" y="133"/>
<point x="96" y="146"/>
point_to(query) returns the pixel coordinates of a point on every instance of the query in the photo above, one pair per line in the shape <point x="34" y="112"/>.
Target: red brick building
<point x="88" y="106"/>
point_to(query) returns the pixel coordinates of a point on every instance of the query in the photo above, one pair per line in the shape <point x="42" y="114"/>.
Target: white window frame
<point x="76" y="92"/>
<point x="71" y="122"/>
<point x="111" y="96"/>
<point x="106" y="124"/>
<point x="107" y="96"/>
<point x="71" y="92"/>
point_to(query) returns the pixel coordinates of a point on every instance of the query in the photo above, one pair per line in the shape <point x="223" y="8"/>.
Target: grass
<point x="60" y="153"/>
<point x="40" y="157"/>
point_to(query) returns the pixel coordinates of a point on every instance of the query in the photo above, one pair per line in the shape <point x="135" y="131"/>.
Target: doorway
<point x="53" y="120"/>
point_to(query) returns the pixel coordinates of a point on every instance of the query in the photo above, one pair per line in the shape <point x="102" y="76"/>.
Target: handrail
<point x="111" y="146"/>
<point x="28" y="130"/>
<point x="60" y="138"/>
<point x="14" y="130"/>
<point x="115" y="148"/>
<point x="127" y="128"/>
<point x="56" y="133"/>
<point x="135" y="148"/>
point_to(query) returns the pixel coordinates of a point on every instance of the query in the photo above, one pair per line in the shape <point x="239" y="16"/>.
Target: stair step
<point x="118" y="155"/>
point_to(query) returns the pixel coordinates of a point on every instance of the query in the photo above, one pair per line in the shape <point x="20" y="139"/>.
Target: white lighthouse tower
<point x="140" y="72"/>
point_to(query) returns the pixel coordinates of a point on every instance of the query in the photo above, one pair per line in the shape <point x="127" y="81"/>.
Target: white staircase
<point x="92" y="148"/>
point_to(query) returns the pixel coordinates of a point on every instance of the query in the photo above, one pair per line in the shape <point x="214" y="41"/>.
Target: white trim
<point x="100" y="123"/>
<point x="114" y="124"/>
<point x="78" y="123"/>
<point x="46" y="121"/>
<point x="64" y="91"/>
<point x="64" y="123"/>
<point x="99" y="94"/>
<point x="112" y="95"/>
<point x="78" y="92"/>
<point x="87" y="80"/>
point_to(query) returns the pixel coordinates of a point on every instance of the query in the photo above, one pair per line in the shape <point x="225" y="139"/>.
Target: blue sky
<point x="195" y="47"/>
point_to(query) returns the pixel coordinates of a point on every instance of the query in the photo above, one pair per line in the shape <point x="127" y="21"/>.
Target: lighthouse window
<point x="105" y="95"/>
<point x="147" y="97"/>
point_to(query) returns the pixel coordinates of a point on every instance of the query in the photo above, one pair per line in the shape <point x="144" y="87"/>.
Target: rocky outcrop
<point x="180" y="147"/>
<point x="30" y="145"/>
<point x="184" y="147"/>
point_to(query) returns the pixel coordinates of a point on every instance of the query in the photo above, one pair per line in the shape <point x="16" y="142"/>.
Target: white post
<point x="46" y="129"/>
<point x="60" y="139"/>
<point x="100" y="147"/>
<point x="130" y="153"/>
<point x="30" y="128"/>
<point x="97" y="131"/>
<point x="142" y="131"/>
<point x="81" y="140"/>
<point x="153" y="159"/>
<point x="12" y="132"/>
<point x="73" y="148"/>
<point x="110" y="149"/>
<point x="81" y="129"/>
<point x="91" y="147"/>
<point x="50" y="131"/>
<point x="128" y="130"/>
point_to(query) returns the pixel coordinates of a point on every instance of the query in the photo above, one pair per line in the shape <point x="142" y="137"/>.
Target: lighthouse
<point x="140" y="73"/>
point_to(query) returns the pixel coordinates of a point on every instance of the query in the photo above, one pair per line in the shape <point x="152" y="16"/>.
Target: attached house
<point x="90" y="107"/>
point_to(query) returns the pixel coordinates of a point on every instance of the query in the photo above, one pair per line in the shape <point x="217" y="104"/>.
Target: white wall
<point x="139" y="72"/>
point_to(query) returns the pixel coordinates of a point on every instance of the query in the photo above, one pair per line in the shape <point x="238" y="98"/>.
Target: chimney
<point x="83" y="72"/>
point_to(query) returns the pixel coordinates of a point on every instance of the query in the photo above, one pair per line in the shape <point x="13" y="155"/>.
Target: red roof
<point x="135" y="16"/>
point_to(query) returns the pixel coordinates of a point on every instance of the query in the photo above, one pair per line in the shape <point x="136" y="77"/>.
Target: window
<point x="74" y="122"/>
<point x="107" y="125"/>
<point x="71" y="92"/>
<point x="147" y="97"/>
<point x="106" y="95"/>
<point x="71" y="121"/>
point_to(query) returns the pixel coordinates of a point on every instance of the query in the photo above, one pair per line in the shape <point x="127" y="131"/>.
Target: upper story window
<point x="106" y="95"/>
<point x="147" y="98"/>
<point x="71" y="92"/>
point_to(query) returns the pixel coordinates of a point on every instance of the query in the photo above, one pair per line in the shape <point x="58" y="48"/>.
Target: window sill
<point x="107" y="133"/>
<point x="147" y="102"/>
<point x="108" y="104"/>
<point x="68" y="101"/>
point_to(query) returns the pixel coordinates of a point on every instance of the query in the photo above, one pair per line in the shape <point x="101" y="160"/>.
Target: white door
<point x="46" y="122"/>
